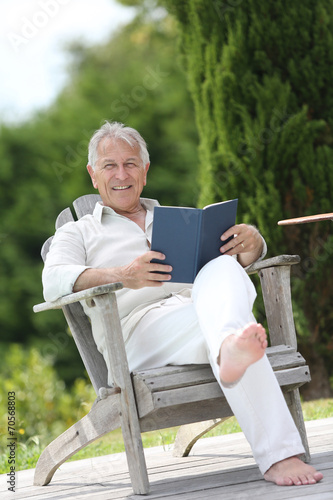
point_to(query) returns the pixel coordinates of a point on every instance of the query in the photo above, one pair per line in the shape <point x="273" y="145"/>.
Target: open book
<point x="190" y="237"/>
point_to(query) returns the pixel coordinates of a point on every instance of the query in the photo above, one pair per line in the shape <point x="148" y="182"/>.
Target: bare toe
<point x="292" y="471"/>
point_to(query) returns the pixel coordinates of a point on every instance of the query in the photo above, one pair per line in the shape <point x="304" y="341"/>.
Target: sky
<point x="32" y="38"/>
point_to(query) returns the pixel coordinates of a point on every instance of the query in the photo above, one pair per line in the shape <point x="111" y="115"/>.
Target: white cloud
<point x="33" y="33"/>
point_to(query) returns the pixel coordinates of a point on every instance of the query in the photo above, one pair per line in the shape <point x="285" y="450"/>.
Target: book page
<point x="217" y="218"/>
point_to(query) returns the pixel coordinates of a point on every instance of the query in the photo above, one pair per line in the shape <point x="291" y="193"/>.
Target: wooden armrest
<point x="305" y="219"/>
<point x="280" y="260"/>
<point x="76" y="297"/>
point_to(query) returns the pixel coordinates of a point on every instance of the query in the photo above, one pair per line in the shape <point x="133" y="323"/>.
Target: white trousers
<point x="184" y="331"/>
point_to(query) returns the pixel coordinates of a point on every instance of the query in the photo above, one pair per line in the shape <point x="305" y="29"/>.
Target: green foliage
<point x="315" y="410"/>
<point x="259" y="75"/>
<point x="43" y="407"/>
<point x="135" y="78"/>
<point x="145" y="91"/>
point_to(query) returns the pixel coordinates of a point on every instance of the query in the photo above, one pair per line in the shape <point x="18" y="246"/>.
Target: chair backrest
<point x="85" y="204"/>
<point x="77" y="320"/>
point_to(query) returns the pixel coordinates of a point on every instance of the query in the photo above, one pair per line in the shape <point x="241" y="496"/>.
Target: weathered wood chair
<point x="168" y="396"/>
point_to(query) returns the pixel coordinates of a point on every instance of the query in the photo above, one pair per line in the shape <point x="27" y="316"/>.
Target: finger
<point x="227" y="250"/>
<point x="155" y="267"/>
<point x="233" y="247"/>
<point x="232" y="231"/>
<point x="241" y="247"/>
<point x="154" y="255"/>
<point x="159" y="277"/>
<point x="229" y="245"/>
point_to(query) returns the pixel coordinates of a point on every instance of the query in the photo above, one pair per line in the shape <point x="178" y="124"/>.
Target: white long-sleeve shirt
<point x="106" y="239"/>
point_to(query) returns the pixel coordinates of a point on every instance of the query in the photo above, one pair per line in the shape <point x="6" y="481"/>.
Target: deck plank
<point x="218" y="467"/>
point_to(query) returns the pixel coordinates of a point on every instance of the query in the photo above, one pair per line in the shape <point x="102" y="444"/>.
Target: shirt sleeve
<point x="264" y="249"/>
<point x="64" y="263"/>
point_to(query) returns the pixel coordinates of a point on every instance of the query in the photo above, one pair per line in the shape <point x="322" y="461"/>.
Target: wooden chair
<point x="168" y="396"/>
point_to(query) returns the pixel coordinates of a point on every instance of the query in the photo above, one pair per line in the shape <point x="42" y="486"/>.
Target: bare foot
<point x="292" y="471"/>
<point x="240" y="350"/>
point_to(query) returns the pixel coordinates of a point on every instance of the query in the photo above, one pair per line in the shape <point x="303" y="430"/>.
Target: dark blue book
<point x="190" y="237"/>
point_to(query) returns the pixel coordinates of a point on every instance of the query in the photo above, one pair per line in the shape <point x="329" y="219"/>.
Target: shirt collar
<point x="100" y="209"/>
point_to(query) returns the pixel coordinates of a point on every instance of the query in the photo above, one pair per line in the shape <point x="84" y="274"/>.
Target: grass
<point x="28" y="453"/>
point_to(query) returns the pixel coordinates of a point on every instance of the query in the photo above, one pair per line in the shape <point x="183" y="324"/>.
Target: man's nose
<point x="121" y="172"/>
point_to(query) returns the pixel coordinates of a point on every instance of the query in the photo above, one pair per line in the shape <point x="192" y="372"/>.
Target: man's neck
<point x="137" y="215"/>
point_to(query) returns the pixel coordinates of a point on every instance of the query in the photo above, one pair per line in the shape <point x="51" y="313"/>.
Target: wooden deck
<point x="218" y="468"/>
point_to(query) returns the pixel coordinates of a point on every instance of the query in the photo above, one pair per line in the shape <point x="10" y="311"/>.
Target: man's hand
<point x="142" y="272"/>
<point x="247" y="243"/>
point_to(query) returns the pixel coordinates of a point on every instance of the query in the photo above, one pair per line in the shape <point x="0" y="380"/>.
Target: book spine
<point x="198" y="245"/>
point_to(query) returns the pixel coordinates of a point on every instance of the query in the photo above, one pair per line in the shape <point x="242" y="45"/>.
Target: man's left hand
<point x="246" y="243"/>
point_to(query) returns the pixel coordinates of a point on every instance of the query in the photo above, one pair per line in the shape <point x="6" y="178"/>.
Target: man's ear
<point x="92" y="175"/>
<point x="146" y="172"/>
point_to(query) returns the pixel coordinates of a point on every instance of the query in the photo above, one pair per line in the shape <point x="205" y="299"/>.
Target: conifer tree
<point x="260" y="75"/>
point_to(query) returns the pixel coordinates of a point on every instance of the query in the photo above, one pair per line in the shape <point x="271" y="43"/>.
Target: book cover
<point x="190" y="237"/>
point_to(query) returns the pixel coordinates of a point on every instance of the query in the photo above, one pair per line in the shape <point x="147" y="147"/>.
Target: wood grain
<point x="306" y="219"/>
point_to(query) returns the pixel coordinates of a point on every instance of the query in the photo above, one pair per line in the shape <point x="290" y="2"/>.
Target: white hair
<point x="118" y="131"/>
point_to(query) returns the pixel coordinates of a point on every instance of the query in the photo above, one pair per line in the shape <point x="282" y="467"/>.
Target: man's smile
<point x="120" y="188"/>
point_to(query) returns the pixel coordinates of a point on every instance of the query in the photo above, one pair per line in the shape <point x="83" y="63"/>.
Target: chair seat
<point x="169" y="396"/>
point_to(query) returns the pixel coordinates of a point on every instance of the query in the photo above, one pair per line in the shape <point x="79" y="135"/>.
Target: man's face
<point x="119" y="175"/>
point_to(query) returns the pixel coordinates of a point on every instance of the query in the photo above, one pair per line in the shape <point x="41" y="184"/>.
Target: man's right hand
<point x="142" y="272"/>
<point x="138" y="274"/>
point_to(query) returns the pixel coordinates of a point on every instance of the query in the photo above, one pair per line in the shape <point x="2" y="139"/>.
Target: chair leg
<point x="297" y="414"/>
<point x="130" y="426"/>
<point x="133" y="446"/>
<point x="189" y="434"/>
<point x="102" y="418"/>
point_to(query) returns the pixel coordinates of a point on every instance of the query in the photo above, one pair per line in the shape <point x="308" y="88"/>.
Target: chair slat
<point x="64" y="217"/>
<point x="85" y="204"/>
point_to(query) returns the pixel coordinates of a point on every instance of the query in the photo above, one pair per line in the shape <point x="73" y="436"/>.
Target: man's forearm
<point x="95" y="277"/>
<point x="137" y="274"/>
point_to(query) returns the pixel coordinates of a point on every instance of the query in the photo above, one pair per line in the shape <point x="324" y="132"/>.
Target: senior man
<point x="173" y="323"/>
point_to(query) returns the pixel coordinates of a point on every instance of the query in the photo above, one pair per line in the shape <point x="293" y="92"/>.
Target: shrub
<point x="44" y="408"/>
